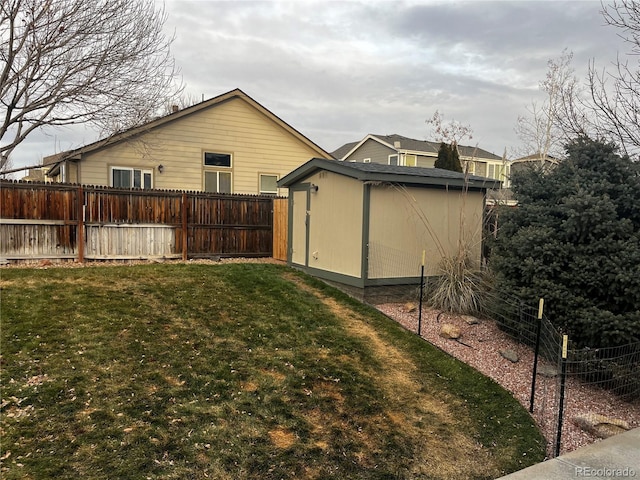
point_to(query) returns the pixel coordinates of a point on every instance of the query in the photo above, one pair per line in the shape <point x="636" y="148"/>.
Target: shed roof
<point x="375" y="172"/>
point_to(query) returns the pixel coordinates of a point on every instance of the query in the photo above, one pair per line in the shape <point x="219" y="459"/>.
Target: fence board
<point x="280" y="228"/>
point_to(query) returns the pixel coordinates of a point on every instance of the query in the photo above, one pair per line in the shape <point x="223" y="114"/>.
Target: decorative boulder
<point x="450" y="331"/>
<point x="510" y="355"/>
<point x="410" y="307"/>
<point x="599" y="425"/>
<point x="470" y="320"/>
<point x="547" y="370"/>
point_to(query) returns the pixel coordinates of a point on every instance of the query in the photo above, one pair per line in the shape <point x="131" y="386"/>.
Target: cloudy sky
<point x="339" y="70"/>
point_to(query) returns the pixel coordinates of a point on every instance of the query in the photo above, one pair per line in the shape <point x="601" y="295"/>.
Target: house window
<point x="411" y="160"/>
<point x="366" y="160"/>
<point x="471" y="167"/>
<point x="268" y="184"/>
<point x="499" y="172"/>
<point x="217" y="182"/>
<point x="217" y="172"/>
<point x="393" y="159"/>
<point x="124" y="177"/>
<point x="217" y="159"/>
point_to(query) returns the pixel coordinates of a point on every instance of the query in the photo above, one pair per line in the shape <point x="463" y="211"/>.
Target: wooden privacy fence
<point x="58" y="221"/>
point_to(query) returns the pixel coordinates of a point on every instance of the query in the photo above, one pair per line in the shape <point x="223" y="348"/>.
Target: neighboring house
<point x="504" y="196"/>
<point x="366" y="225"/>
<point x="537" y="160"/>
<point x="403" y="151"/>
<point x="227" y="144"/>
<point x="37" y="175"/>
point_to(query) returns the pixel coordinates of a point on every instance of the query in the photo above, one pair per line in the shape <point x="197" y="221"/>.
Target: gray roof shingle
<point x="389" y="173"/>
<point x="418" y="146"/>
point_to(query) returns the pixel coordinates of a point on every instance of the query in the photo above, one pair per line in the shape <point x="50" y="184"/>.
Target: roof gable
<point x="405" y="144"/>
<point x="176" y="116"/>
<point x="375" y="172"/>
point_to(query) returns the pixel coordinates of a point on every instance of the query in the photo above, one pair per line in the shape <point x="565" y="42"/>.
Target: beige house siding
<point x="335" y="224"/>
<point x="398" y="230"/>
<point x="257" y="144"/>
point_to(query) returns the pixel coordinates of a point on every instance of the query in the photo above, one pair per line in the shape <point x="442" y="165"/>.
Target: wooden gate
<point x="280" y="228"/>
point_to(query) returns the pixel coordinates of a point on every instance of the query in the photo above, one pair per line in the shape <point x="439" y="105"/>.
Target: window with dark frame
<point x="217" y="159"/>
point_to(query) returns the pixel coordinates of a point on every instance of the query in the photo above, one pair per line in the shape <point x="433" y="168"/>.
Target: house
<point x="398" y="150"/>
<point x="227" y="144"/>
<point x="505" y="196"/>
<point x="536" y="160"/>
<point x="37" y="175"/>
<point x="368" y="225"/>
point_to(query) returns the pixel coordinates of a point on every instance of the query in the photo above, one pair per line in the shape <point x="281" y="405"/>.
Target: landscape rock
<point x="548" y="371"/>
<point x="510" y="355"/>
<point x="450" y="331"/>
<point x="470" y="320"/>
<point x="410" y="307"/>
<point x="599" y="425"/>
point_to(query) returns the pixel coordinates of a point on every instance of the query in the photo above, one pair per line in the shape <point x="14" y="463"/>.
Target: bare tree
<point x="609" y="107"/>
<point x="543" y="131"/>
<point x="451" y="132"/>
<point x="616" y="94"/>
<point x="101" y="62"/>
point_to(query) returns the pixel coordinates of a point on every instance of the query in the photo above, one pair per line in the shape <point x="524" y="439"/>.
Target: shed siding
<point x="257" y="143"/>
<point x="335" y="224"/>
<point x="398" y="234"/>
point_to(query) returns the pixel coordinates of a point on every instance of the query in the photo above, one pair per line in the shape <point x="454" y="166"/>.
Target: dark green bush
<point x="574" y="240"/>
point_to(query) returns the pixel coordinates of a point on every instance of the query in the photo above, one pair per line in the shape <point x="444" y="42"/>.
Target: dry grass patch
<point x="445" y="448"/>
<point x="282" y="438"/>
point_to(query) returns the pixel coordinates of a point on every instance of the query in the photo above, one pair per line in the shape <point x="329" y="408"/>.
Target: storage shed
<point x="367" y="225"/>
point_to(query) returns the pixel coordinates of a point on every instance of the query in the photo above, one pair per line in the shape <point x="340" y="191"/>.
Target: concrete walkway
<point x="614" y="458"/>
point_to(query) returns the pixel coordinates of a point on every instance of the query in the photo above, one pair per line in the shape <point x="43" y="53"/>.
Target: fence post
<point x="80" y="215"/>
<point x="565" y="341"/>
<point x="184" y="226"/>
<point x="421" y="294"/>
<point x="535" y="355"/>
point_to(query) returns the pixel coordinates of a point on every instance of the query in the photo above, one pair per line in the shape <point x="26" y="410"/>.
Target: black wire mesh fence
<point x="614" y="369"/>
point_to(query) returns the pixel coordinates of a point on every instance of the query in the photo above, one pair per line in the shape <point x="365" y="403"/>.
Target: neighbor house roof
<point x="536" y="157"/>
<point x="375" y="172"/>
<point x="172" y="117"/>
<point x="411" y="145"/>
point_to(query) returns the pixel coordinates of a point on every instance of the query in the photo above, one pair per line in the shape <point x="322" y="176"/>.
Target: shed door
<point x="300" y="228"/>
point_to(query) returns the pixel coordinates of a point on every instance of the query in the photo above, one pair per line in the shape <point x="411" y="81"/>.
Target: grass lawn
<point x="193" y="371"/>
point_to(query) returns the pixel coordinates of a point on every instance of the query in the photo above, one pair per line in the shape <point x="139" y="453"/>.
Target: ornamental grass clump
<point x="460" y="286"/>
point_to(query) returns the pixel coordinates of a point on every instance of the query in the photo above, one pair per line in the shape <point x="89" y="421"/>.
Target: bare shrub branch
<point x="104" y="62"/>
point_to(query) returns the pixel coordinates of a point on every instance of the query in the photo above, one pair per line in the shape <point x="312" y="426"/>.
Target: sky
<point x="339" y="70"/>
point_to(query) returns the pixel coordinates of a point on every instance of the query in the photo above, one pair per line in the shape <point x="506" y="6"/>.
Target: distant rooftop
<point x="416" y="146"/>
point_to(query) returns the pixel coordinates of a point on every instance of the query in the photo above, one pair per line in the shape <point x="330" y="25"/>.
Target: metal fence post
<point x="565" y="341"/>
<point x="80" y="209"/>
<point x="535" y="355"/>
<point x="421" y="295"/>
<point x="185" y="238"/>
